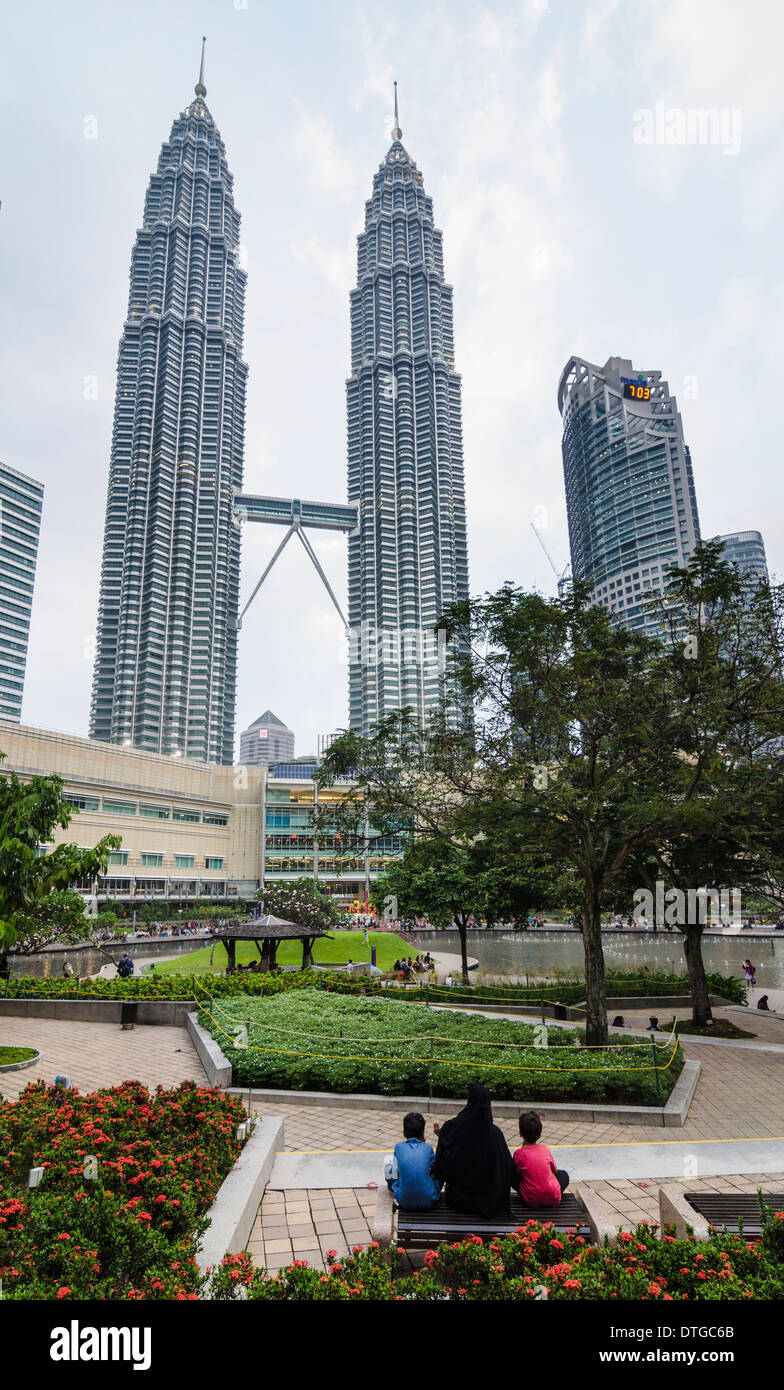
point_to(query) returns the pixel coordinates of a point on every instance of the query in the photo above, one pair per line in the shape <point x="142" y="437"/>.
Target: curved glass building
<point x="408" y="558"/>
<point x="165" y="668"/>
<point x="746" y="549"/>
<point x="630" y="499"/>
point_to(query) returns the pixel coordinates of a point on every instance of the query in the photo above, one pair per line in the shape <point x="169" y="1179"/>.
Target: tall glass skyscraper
<point x="408" y="558"/>
<point x="746" y="549"/>
<point x="21" y="500"/>
<point x="165" y="669"/>
<point x="630" y="499"/>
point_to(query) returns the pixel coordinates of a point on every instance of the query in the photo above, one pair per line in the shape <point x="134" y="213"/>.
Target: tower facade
<point x="630" y="498"/>
<point x="266" y="742"/>
<point x="21" y="501"/>
<point x="746" y="550"/>
<point x="408" y="557"/>
<point x="166" y="658"/>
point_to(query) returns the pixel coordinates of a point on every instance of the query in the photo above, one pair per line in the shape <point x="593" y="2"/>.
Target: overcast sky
<point x="563" y="233"/>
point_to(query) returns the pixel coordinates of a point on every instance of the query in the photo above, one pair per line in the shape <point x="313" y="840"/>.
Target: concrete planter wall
<point x="233" y="1212"/>
<point x="169" y="1012"/>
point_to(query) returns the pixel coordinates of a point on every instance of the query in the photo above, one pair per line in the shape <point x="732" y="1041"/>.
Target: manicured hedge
<point x="180" y="986"/>
<point x="161" y="986"/>
<point x="325" y="1042"/>
<point x="623" y="983"/>
<point x="536" y="1261"/>
<point x="131" y="1231"/>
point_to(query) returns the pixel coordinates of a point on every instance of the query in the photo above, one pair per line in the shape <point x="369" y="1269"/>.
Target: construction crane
<point x="564" y="577"/>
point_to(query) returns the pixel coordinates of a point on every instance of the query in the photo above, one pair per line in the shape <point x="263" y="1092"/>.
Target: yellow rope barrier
<point x="441" y="1037"/>
<point x="434" y="1061"/>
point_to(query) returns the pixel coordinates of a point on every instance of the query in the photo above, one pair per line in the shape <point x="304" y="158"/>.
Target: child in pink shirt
<point x="538" y="1181"/>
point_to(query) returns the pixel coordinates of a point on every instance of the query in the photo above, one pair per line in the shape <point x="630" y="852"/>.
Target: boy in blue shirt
<point x="408" y="1175"/>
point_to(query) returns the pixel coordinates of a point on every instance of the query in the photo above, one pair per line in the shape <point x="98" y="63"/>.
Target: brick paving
<point x="303" y="1225"/>
<point x="99" y="1054"/>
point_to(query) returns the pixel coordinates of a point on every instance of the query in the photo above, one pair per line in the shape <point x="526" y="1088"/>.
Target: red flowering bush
<point x="536" y="1261"/>
<point x="128" y="1177"/>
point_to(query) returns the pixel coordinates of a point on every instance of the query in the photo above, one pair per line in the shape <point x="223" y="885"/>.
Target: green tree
<point x="449" y="884"/>
<point x="60" y="916"/>
<point x="301" y="902"/>
<point x="30" y="812"/>
<point x="593" y="748"/>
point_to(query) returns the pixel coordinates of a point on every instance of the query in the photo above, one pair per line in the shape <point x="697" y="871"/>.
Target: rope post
<point x="430" y="1077"/>
<point x="427" y="994"/>
<point x="656" y="1072"/>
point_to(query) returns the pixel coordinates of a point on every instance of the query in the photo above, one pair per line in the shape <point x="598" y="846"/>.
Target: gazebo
<point x="268" y="932"/>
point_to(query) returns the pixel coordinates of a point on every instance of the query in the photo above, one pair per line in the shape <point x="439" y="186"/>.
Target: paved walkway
<point x="99" y="1054"/>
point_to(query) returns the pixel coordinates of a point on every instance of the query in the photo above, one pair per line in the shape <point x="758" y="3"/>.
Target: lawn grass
<point x="9" y="1055"/>
<point x="344" y="946"/>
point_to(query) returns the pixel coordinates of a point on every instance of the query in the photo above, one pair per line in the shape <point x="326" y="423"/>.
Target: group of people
<point x="405" y="967"/>
<point x="473" y="1164"/>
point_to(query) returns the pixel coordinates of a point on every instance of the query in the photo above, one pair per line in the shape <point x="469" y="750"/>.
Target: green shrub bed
<point x="173" y="987"/>
<point x="619" y="983"/>
<point x="536" y="1261"/>
<point x="184" y="986"/>
<point x="324" y="1042"/>
<point x="129" y="1232"/>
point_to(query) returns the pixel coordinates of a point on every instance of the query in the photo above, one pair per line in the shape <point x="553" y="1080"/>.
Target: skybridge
<point x="299" y="517"/>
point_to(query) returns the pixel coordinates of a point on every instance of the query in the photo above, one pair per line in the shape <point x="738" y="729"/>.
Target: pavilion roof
<point x="267" y="928"/>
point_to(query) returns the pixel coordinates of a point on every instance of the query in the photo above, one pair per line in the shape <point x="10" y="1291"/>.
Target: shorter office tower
<point x="21" y="501"/>
<point x="266" y="742"/>
<point x="630" y="499"/>
<point x="746" y="549"/>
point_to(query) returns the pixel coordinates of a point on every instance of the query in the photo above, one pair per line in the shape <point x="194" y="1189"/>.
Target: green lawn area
<point x="346" y="945"/>
<point x="15" y="1054"/>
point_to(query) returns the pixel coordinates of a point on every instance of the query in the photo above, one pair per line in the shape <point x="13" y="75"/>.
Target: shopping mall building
<point x="193" y="830"/>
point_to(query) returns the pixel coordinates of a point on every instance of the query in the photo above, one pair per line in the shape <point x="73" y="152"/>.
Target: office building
<point x="21" y="501"/>
<point x="746" y="549"/>
<point x="266" y="742"/>
<point x="630" y="498"/>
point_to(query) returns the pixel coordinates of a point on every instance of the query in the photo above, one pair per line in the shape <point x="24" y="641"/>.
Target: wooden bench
<point x="424" y="1229"/>
<point x="726" y="1209"/>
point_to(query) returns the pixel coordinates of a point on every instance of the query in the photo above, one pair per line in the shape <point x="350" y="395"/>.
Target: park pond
<point x="519" y="956"/>
<point x="536" y="955"/>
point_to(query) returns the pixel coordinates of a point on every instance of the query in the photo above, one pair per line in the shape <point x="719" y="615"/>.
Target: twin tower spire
<point x="201" y="91"/>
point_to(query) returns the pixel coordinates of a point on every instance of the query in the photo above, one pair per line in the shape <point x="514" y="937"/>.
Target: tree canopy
<point x="593" y="748"/>
<point x="30" y="812"/>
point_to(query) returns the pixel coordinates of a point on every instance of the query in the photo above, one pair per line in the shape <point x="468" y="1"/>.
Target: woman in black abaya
<point x="473" y="1158"/>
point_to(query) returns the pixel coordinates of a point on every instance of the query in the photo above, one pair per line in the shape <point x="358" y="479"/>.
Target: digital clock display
<point x="636" y="391"/>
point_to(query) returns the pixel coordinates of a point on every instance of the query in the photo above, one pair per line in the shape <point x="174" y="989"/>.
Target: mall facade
<point x="192" y="830"/>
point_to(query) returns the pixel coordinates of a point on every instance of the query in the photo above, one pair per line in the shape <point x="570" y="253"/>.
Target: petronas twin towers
<point x="166" y="662"/>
